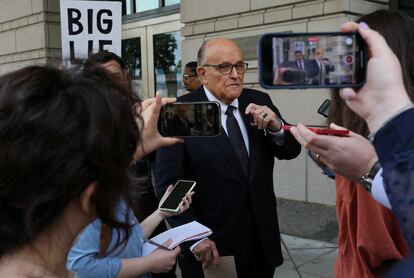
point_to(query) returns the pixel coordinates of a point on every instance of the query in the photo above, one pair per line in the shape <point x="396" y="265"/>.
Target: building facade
<point x="160" y="36"/>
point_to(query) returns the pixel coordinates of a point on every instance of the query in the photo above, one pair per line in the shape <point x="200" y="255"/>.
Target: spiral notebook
<point x="178" y="235"/>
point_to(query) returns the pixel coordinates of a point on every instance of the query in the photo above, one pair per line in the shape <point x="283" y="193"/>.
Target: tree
<point x="164" y="57"/>
<point x="131" y="54"/>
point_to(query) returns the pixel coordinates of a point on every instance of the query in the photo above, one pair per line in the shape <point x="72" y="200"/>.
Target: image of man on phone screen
<point x="234" y="171"/>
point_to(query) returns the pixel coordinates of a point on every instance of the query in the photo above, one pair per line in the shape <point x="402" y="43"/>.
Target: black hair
<point x="397" y="29"/>
<point x="103" y="57"/>
<point x="192" y="66"/>
<point x="59" y="132"/>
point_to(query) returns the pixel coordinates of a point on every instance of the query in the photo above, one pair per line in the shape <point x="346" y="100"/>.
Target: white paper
<point x="87" y="26"/>
<point x="178" y="235"/>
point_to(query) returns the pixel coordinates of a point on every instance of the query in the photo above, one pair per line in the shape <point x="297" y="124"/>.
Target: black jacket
<point x="231" y="204"/>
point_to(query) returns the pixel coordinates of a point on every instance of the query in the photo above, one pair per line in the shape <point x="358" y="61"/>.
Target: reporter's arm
<point x="84" y="259"/>
<point x="159" y="261"/>
<point x="151" y="222"/>
<point x="395" y="147"/>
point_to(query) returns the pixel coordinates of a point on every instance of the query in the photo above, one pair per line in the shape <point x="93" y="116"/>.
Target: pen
<point x="157" y="244"/>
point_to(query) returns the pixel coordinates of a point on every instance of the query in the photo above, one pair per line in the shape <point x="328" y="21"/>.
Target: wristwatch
<point x="367" y="179"/>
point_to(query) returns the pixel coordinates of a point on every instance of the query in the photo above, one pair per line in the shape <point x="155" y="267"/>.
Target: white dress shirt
<point x="378" y="190"/>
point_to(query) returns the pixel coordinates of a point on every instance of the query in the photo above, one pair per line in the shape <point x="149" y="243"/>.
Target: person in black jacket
<point x="233" y="171"/>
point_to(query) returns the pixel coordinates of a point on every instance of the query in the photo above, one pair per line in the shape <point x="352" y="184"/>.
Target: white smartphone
<point x="172" y="202"/>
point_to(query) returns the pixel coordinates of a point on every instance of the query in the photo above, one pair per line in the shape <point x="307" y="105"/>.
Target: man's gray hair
<point x="202" y="52"/>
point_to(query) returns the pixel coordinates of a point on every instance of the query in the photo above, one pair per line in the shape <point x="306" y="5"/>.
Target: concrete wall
<point x="29" y="33"/>
<point x="298" y="180"/>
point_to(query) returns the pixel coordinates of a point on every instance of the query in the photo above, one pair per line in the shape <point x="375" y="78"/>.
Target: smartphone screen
<point x="312" y="60"/>
<point x="173" y="200"/>
<point x="190" y="119"/>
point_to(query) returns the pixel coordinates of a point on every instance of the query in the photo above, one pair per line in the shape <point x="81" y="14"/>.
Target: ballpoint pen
<point x="157" y="244"/>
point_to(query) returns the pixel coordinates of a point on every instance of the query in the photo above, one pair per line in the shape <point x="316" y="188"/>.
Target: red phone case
<point x="324" y="131"/>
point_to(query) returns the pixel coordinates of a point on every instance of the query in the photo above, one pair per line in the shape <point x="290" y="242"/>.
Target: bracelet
<point x="368" y="178"/>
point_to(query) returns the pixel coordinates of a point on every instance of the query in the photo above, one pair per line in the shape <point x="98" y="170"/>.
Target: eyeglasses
<point x="187" y="76"/>
<point x="227" y="68"/>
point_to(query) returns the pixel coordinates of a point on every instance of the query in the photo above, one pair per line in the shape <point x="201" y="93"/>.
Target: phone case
<point x="261" y="62"/>
<point x="216" y="122"/>
<point x="178" y="207"/>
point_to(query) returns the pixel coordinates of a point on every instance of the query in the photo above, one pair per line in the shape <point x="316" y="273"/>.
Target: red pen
<point x="324" y="131"/>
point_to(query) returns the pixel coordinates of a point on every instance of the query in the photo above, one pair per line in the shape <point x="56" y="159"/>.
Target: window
<point x="167" y="64"/>
<point x="146" y="5"/>
<point x="403" y="5"/>
<point x="171" y="2"/>
<point x="139" y="6"/>
<point x="131" y="54"/>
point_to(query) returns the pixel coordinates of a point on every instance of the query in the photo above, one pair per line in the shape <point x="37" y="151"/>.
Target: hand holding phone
<point x="172" y="202"/>
<point x="312" y="60"/>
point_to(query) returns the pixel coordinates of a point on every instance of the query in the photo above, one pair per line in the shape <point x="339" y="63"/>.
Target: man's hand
<point x="263" y="117"/>
<point x="206" y="252"/>
<point x="351" y="156"/>
<point x="150" y="137"/>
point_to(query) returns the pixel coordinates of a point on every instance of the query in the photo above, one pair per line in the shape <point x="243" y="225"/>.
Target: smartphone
<point x="172" y="202"/>
<point x="325" y="169"/>
<point x="324" y="108"/>
<point x="190" y="119"/>
<point x="312" y="60"/>
<point x="323" y="131"/>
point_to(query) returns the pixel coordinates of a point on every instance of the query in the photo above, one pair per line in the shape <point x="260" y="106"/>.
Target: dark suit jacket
<point x="234" y="206"/>
<point x="395" y="148"/>
<point x="310" y="71"/>
<point x="179" y="127"/>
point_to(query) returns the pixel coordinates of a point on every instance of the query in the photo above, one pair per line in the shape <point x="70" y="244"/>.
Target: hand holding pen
<point x="160" y="261"/>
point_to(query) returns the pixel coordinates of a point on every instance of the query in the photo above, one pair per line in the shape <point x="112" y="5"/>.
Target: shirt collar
<point x="223" y="106"/>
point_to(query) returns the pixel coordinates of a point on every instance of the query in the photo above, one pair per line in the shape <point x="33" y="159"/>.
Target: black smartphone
<point x="172" y="202"/>
<point x="190" y="119"/>
<point x="324" y="108"/>
<point x="312" y="60"/>
<point x="325" y="169"/>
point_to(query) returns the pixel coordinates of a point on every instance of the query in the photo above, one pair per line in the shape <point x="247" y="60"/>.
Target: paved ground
<point x="305" y="258"/>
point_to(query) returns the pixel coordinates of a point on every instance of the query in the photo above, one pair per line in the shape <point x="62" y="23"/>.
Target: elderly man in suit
<point x="234" y="171"/>
<point x="324" y="68"/>
<point x="309" y="66"/>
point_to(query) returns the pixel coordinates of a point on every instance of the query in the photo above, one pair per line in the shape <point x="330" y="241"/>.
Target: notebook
<point x="178" y="235"/>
